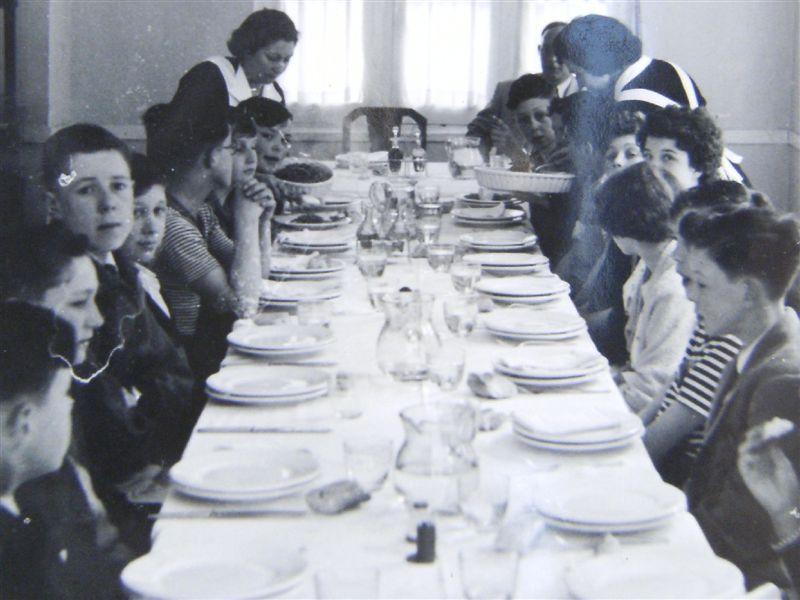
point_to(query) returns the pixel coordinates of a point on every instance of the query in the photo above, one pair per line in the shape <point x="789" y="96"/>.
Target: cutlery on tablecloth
<point x="227" y="513"/>
<point x="246" y="429"/>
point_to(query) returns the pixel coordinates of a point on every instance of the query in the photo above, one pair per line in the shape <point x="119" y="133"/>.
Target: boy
<point x="89" y="189"/>
<point x="48" y="538"/>
<point x="272" y="122"/>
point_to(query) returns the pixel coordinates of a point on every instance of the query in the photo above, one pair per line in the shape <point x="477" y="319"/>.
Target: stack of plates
<point x="289" y="293"/>
<point x="610" y="504"/>
<point x="259" y="384"/>
<point x="588" y="429"/>
<point x="546" y="367"/>
<point x="280" y="340"/>
<point x="285" y="268"/>
<point x="524" y="290"/>
<point x="654" y="572"/>
<point x="474" y="199"/>
<point x="244" y="476"/>
<point x="533" y="325"/>
<point x="499" y="240"/>
<point x="480" y="217"/>
<point x="508" y="263"/>
<point x="320" y="241"/>
<point x="212" y="575"/>
<point x="337" y="201"/>
<point x="309" y="220"/>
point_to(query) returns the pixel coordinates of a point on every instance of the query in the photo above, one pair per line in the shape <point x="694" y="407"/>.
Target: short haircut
<point x="694" y="132"/>
<point x="260" y="29"/>
<point x="82" y="138"/>
<point x="265" y="112"/>
<point x="553" y="25"/>
<point x="145" y="174"/>
<point x="599" y="44"/>
<point x="241" y="123"/>
<point x="33" y="259"/>
<point x="621" y="122"/>
<point x="748" y="242"/>
<point x="529" y="86"/>
<point x="634" y="203"/>
<point x="34" y="345"/>
<point x="178" y="134"/>
<point x="718" y="196"/>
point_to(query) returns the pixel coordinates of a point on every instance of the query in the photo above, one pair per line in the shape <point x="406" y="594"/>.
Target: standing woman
<point x="261" y="48"/>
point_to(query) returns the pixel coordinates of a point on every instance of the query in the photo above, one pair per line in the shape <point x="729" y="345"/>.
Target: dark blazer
<point x="736" y="525"/>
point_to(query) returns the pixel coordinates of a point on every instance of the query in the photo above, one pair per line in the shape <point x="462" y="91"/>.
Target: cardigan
<point x="660" y="322"/>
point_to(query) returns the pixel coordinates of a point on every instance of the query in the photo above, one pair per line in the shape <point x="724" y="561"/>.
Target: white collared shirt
<point x="152" y="287"/>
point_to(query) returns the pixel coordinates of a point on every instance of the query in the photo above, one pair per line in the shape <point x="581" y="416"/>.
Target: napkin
<point x="532" y="359"/>
<point x="570" y="422"/>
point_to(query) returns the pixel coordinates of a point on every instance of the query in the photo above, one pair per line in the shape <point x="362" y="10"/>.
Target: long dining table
<point x="373" y="534"/>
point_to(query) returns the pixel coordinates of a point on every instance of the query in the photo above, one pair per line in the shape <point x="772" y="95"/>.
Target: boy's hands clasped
<point x="254" y="199"/>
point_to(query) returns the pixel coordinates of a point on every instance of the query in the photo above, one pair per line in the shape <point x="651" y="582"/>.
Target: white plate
<point x="653" y="572"/>
<point x="611" y="501"/>
<point x="244" y="473"/>
<point x="483" y="216"/>
<point x="299" y="265"/>
<point x="265" y="400"/>
<point x="180" y="577"/>
<point x="523" y="287"/>
<point x="532" y="337"/>
<point x="577" y="448"/>
<point x="314" y="239"/>
<point x="532" y="362"/>
<point x="280" y="338"/>
<point x="527" y="299"/>
<point x="491" y="239"/>
<point x="296" y="221"/>
<point x="520" y="322"/>
<point x="550" y="384"/>
<point x="535" y="426"/>
<point x="264" y="381"/>
<point x="504" y="259"/>
<point x="289" y="292"/>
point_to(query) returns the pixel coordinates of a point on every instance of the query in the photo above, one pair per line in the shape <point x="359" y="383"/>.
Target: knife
<point x="245" y="429"/>
<point x="228" y="513"/>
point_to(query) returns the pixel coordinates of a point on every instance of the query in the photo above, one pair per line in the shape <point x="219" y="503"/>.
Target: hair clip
<point x="64" y="180"/>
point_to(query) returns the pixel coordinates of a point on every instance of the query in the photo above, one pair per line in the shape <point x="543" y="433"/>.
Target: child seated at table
<point x="676" y="420"/>
<point x="207" y="278"/>
<point x="50" y="545"/>
<point x="681" y="145"/>
<point x="634" y="210"/>
<point x="529" y="99"/>
<point x="149" y="220"/>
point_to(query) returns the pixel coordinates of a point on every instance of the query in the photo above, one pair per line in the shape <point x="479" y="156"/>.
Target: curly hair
<point x="599" y="44"/>
<point x="694" y="131"/>
<point x="718" y="196"/>
<point x="634" y="203"/>
<point x="748" y="242"/>
<point x="261" y="29"/>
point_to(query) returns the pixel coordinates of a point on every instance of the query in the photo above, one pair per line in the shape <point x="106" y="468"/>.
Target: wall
<point x="744" y="57"/>
<point x="107" y="61"/>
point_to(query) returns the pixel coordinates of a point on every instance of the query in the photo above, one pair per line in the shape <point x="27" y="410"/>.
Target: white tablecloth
<point x="373" y="534"/>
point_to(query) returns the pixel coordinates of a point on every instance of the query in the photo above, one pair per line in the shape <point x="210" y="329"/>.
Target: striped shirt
<point x="698" y="378"/>
<point x="192" y="248"/>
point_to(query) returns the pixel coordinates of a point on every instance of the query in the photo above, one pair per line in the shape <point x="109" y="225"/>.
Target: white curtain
<point x="442" y="57"/>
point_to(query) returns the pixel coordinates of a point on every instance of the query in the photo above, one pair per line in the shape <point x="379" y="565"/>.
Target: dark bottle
<point x="395" y="153"/>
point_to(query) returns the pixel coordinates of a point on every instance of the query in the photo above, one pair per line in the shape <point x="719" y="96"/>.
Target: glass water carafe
<point x="463" y="155"/>
<point x="437" y="458"/>
<point x="408" y="340"/>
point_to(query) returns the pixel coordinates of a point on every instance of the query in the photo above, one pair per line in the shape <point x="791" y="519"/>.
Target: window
<point x="442" y="57"/>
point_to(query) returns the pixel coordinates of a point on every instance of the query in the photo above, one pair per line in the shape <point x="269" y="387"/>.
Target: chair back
<point x="380" y="120"/>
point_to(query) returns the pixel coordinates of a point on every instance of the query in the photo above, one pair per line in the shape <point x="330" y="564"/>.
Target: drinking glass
<point x="371" y="259"/>
<point x="488" y="573"/>
<point x="461" y="314"/>
<point x="430" y="227"/>
<point x="359" y="165"/>
<point x="368" y="462"/>
<point x="446" y="365"/>
<point x="347" y="583"/>
<point x="347" y="390"/>
<point x="465" y="276"/>
<point x="440" y="257"/>
<point x="314" y="312"/>
<point x="484" y="505"/>
<point x="377" y="289"/>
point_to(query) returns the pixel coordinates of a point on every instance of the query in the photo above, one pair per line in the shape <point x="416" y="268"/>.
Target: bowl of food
<point x="304" y="177"/>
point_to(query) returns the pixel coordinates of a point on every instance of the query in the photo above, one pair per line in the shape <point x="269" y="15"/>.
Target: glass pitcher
<point x="408" y="340"/>
<point x="437" y="458"/>
<point x="463" y="155"/>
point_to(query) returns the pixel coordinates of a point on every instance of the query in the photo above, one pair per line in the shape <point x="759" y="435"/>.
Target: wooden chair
<point x="380" y="120"/>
